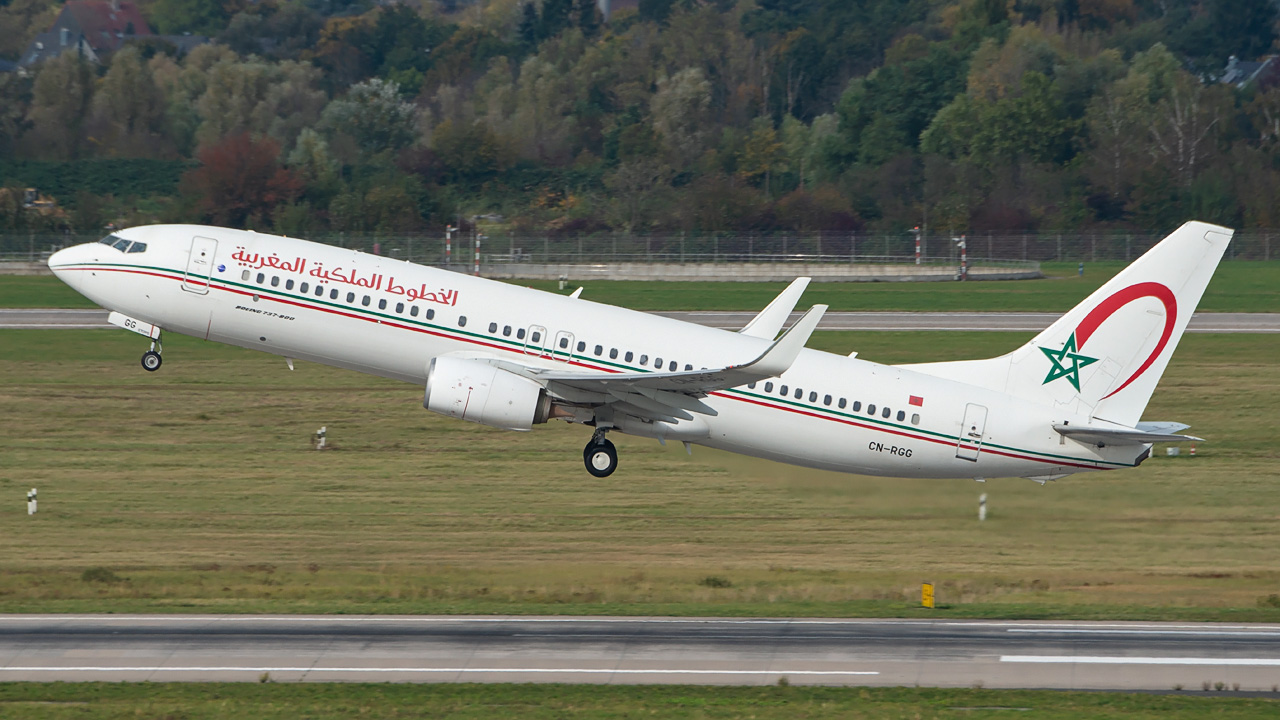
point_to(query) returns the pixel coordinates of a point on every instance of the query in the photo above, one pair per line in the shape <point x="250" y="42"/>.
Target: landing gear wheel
<point x="601" y="458"/>
<point x="151" y="361"/>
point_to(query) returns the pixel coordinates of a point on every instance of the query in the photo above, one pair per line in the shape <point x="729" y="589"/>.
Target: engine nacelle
<point x="479" y="392"/>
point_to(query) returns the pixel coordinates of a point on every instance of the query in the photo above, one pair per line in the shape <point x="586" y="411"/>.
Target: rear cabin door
<point x="200" y="265"/>
<point x="971" y="431"/>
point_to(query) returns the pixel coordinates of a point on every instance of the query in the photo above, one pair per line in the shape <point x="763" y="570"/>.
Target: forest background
<point x="701" y="116"/>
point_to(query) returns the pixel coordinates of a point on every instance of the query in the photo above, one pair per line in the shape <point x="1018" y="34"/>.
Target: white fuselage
<point x="390" y="318"/>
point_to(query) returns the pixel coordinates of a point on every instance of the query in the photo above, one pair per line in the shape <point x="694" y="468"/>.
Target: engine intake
<point x="481" y="393"/>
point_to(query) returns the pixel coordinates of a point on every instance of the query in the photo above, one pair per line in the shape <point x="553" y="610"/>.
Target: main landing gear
<point x="600" y="456"/>
<point x="151" y="359"/>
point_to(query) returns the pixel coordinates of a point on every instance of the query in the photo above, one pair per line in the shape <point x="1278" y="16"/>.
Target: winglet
<point x="778" y="358"/>
<point x="770" y="320"/>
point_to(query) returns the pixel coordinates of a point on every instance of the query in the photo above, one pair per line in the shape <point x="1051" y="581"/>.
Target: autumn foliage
<point x="240" y="181"/>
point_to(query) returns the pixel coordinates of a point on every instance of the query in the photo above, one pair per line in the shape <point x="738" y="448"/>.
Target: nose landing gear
<point x="151" y="359"/>
<point x="600" y="456"/>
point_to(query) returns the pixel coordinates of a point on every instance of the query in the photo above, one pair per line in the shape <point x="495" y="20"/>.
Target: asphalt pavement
<point x="943" y="653"/>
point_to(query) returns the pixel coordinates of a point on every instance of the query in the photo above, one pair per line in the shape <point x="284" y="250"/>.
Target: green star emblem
<point x="1060" y="360"/>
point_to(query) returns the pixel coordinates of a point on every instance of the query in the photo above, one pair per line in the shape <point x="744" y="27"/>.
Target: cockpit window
<point x="109" y="240"/>
<point x="137" y="247"/>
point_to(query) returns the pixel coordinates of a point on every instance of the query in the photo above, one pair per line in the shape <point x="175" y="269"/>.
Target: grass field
<point x="1236" y="287"/>
<point x="318" y="702"/>
<point x="195" y="488"/>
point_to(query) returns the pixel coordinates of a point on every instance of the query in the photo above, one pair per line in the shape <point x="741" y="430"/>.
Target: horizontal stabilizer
<point x="1121" y="436"/>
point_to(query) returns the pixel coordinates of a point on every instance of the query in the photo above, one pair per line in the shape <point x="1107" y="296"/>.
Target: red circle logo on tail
<point x="1108" y="307"/>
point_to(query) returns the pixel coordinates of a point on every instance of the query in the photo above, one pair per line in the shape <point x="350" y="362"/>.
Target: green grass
<point x="20" y="701"/>
<point x="196" y="488"/>
<point x="1236" y="287"/>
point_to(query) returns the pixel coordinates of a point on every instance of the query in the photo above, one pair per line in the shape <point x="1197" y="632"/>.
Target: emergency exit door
<point x="971" y="432"/>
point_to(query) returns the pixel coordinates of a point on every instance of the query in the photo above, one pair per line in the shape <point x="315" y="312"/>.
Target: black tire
<point x="601" y="458"/>
<point x="151" y="361"/>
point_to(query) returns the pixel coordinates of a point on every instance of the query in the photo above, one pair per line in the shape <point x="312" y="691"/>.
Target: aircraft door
<point x="200" y="265"/>
<point x="535" y="341"/>
<point x="563" y="347"/>
<point x="971" y="431"/>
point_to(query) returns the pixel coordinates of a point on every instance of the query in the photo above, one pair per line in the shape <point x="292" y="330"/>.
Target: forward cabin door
<point x="199" y="265"/>
<point x="971" y="430"/>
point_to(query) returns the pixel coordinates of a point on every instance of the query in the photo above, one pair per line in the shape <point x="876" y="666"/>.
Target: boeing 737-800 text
<point x="1070" y="400"/>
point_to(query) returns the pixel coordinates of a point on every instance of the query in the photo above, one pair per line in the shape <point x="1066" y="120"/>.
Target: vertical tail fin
<point x="1104" y="357"/>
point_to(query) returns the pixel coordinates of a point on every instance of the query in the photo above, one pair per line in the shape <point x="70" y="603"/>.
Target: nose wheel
<point x="151" y="359"/>
<point x="600" y="457"/>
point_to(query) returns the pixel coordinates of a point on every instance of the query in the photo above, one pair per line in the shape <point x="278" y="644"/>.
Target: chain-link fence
<point x="503" y="247"/>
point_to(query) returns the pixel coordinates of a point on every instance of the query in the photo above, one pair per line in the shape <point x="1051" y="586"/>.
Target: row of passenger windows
<point x="563" y="342"/>
<point x="319" y="291"/>
<point x="842" y="403"/>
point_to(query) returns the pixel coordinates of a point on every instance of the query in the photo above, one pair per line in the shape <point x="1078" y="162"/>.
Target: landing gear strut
<point x="600" y="456"/>
<point x="151" y="359"/>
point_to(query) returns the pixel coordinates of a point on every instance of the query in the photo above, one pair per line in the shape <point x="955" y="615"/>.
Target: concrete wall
<point x="753" y="272"/>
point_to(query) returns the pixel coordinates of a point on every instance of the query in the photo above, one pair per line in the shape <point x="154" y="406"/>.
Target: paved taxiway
<point x="1093" y="655"/>
<point x="1011" y="322"/>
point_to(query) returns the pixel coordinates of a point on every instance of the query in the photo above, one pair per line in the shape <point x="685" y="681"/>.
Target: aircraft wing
<point x="1125" y="436"/>
<point x="771" y="319"/>
<point x="669" y="396"/>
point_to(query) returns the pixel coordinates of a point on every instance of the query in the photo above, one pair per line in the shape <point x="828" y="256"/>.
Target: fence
<point x="501" y="247"/>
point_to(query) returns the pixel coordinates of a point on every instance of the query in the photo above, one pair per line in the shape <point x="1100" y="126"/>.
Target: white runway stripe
<point x="579" y="671"/>
<point x="1121" y="660"/>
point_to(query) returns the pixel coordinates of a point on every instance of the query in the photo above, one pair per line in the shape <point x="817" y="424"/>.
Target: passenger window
<point x="535" y="336"/>
<point x="506" y="331"/>
<point x="365" y="300"/>
<point x="768" y="387"/>
<point x="599" y="350"/>
<point x="382" y="304"/>
<point x="613" y="353"/>
<point x="261" y="278"/>
<point x="915" y="418"/>
<point x="813" y="397"/>
<point x="826" y="399"/>
<point x="288" y="284"/>
<point x="857" y="405"/>
<point x="886" y="413"/>
<point x="657" y="362"/>
<point x="751" y="386"/>
<point x="783" y="390"/>
<point x="672" y="367"/>
<point x="840" y="404"/>
<point x="520" y="334"/>
<point x="304" y="288"/>
<point x="871" y="409"/>
<point x="581" y="346"/>
<point x="413" y="310"/>
<point x="333" y="294"/>
<point x="644" y="359"/>
<point x="275" y="281"/>
<point x="799" y="393"/>
<point x="319" y="291"/>
<point x="901" y="416"/>
<point x="628" y="356"/>
<point x="462" y="321"/>
<point x="399" y="308"/>
<point x="245" y="276"/>
<point x="564" y="342"/>
<point x="431" y="314"/>
<point x="351" y="297"/>
<point x="688" y="366"/>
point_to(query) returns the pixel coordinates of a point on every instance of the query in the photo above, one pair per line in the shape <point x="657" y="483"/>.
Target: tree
<point x="556" y="16"/>
<point x="1246" y="28"/>
<point x="374" y="115"/>
<point x="240" y="181"/>
<point x="129" y="105"/>
<point x="681" y="114"/>
<point x="1182" y="125"/>
<point x="588" y="17"/>
<point x="530" y="26"/>
<point x="62" y="98"/>
<point x="201" y="17"/>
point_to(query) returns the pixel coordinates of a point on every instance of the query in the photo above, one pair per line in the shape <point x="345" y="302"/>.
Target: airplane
<point x="1068" y="401"/>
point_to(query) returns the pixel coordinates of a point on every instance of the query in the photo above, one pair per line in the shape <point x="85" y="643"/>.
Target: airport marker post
<point x="926" y="595"/>
<point x="449" y="230"/>
<point x="31" y="502"/>
<point x="982" y="507"/>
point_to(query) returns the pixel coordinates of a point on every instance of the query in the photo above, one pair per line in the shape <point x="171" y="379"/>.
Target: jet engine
<point x="482" y="393"/>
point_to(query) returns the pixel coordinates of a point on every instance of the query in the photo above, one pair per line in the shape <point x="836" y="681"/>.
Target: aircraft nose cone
<point x="65" y="258"/>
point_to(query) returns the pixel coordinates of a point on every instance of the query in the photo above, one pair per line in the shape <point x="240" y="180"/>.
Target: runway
<point x="35" y="319"/>
<point x="1061" y="655"/>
